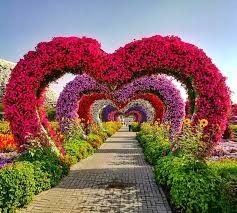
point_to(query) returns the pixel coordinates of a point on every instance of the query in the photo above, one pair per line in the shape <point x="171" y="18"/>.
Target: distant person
<point x="129" y="126"/>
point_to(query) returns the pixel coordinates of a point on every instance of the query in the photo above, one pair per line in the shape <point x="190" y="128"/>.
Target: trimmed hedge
<point x="32" y="173"/>
<point x="194" y="185"/>
<point x="77" y="150"/>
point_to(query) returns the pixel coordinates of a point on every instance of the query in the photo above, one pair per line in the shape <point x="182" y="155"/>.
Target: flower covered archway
<point x="50" y="60"/>
<point x="67" y="105"/>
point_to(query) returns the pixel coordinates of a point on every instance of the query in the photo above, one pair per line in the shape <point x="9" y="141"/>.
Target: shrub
<point x="155" y="141"/>
<point x="94" y="140"/>
<point x="227" y="169"/>
<point x="143" y="139"/>
<point x="77" y="149"/>
<point x="17" y="186"/>
<point x="48" y="162"/>
<point x="35" y="170"/>
<point x="51" y="113"/>
<point x="111" y="127"/>
<point x="194" y="185"/>
<point x="154" y="150"/>
<point x="135" y="126"/>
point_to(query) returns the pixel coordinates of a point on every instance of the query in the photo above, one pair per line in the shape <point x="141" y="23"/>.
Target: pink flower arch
<point x="147" y="56"/>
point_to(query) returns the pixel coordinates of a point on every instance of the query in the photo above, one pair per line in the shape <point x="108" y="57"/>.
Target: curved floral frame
<point x="96" y="108"/>
<point x="148" y="108"/>
<point x="87" y="100"/>
<point x="71" y="95"/>
<point x="141" y="110"/>
<point x="137" y="114"/>
<point x="147" y="56"/>
<point x="155" y="101"/>
<point x="67" y="104"/>
<point x="84" y="106"/>
<point x="168" y="93"/>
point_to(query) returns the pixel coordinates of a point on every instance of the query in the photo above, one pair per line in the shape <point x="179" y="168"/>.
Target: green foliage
<point x="194" y="184"/>
<point x="194" y="187"/>
<point x="94" y="140"/>
<point x="156" y="142"/>
<point x="17" y="186"/>
<point x="190" y="142"/>
<point x="156" y="149"/>
<point x="40" y="168"/>
<point x="111" y="127"/>
<point x="143" y="139"/>
<point x="51" y="113"/>
<point x="76" y="148"/>
<point x="227" y="169"/>
<point x="35" y="170"/>
<point x="135" y="126"/>
<point x="48" y="162"/>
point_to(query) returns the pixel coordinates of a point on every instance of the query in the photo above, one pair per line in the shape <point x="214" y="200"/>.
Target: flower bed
<point x="7" y="143"/>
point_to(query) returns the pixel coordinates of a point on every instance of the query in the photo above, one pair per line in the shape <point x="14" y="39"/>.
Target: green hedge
<point x="39" y="169"/>
<point x="77" y="150"/>
<point x="51" y="113"/>
<point x="32" y="173"/>
<point x="194" y="185"/>
<point x="135" y="126"/>
<point x="95" y="140"/>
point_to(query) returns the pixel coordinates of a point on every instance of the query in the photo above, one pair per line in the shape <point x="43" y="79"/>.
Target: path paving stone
<point x="115" y="179"/>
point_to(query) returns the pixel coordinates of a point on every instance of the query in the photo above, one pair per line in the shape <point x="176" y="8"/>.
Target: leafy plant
<point x="94" y="140"/>
<point x="17" y="186"/>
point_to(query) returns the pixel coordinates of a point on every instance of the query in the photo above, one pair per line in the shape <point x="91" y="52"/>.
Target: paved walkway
<point x="115" y="179"/>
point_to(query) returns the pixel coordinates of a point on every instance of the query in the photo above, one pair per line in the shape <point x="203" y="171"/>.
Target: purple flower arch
<point x="140" y="109"/>
<point x="67" y="104"/>
<point x="108" y="110"/>
<point x="166" y="90"/>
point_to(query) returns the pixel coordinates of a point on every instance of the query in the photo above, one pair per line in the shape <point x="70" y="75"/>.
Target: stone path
<point x="115" y="179"/>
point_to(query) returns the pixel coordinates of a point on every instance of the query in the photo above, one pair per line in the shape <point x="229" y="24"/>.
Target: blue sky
<point x="209" y="24"/>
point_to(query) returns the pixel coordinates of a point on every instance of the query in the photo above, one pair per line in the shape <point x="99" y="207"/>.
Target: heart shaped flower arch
<point x="97" y="109"/>
<point x="156" y="54"/>
<point x="67" y="104"/>
<point x="86" y="102"/>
